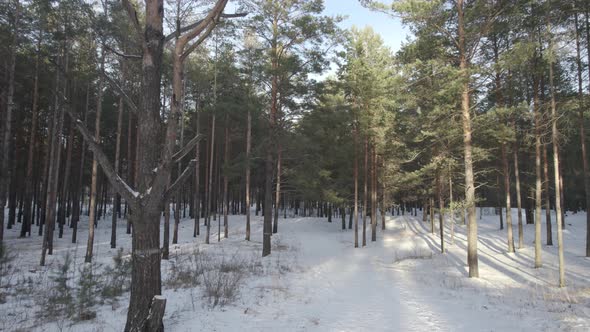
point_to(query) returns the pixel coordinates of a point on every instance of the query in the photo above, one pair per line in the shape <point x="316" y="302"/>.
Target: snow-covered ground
<point x="316" y="281"/>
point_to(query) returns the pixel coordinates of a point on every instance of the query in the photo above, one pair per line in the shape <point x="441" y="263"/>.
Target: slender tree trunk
<point x="278" y="191"/>
<point x="7" y="120"/>
<point x="365" y="192"/>
<point x="555" y="138"/>
<point x="451" y="207"/>
<point x="538" y="174"/>
<point x="94" y="180"/>
<point x="197" y="211"/>
<point x="247" y="189"/>
<point x="356" y="188"/>
<point x="506" y="171"/>
<point x="116" y="196"/>
<point x="166" y="244"/>
<point x="583" y="138"/>
<point x="583" y="132"/>
<point x="53" y="174"/>
<point x="518" y="197"/>
<point x="440" y="211"/>
<point x="79" y="192"/>
<point x="469" y="177"/>
<point x="547" y="196"/>
<point x="210" y="179"/>
<point x="374" y="194"/>
<point x="226" y="179"/>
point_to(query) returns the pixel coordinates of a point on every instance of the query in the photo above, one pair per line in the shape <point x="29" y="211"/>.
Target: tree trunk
<point x="278" y="191"/>
<point x="94" y="180"/>
<point x="226" y="179"/>
<point x="366" y="179"/>
<point x="451" y="207"/>
<point x="145" y="275"/>
<point x="78" y="192"/>
<point x="506" y="171"/>
<point x="538" y="174"/>
<point x="440" y="212"/>
<point x="547" y="196"/>
<point x="116" y="196"/>
<point x="583" y="139"/>
<point x="555" y="138"/>
<point x="7" y="128"/>
<point x="210" y="179"/>
<point x="53" y="173"/>
<point x="356" y="188"/>
<point x="27" y="221"/>
<point x="468" y="159"/>
<point x="197" y="211"/>
<point x="518" y="197"/>
<point x="247" y="189"/>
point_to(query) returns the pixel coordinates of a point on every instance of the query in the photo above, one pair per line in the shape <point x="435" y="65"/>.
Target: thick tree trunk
<point x="145" y="275"/>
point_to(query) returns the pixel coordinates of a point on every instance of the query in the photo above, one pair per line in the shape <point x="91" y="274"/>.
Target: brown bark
<point x="78" y="192"/>
<point x="27" y="221"/>
<point x="538" y="174"/>
<point x="467" y="143"/>
<point x="94" y="179"/>
<point x="583" y="132"/>
<point x="356" y="187"/>
<point x="374" y="194"/>
<point x="555" y="138"/>
<point x="277" y="191"/>
<point x="365" y="191"/>
<point x="226" y="179"/>
<point x="506" y="173"/>
<point x="247" y="189"/>
<point x="7" y="120"/>
<point x="547" y="196"/>
<point x="197" y="211"/>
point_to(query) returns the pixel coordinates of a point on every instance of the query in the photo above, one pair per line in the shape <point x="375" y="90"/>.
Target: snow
<point x="315" y="280"/>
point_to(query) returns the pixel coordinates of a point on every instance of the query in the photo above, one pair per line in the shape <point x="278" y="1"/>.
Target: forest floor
<point x="315" y="280"/>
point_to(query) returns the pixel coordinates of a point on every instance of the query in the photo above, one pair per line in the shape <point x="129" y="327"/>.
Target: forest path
<point x="344" y="288"/>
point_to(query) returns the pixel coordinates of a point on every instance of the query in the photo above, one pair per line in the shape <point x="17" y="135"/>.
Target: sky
<point x="390" y="29"/>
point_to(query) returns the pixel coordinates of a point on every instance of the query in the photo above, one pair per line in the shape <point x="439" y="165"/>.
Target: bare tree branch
<point x="115" y="180"/>
<point x="123" y="55"/>
<point x="188" y="171"/>
<point x="121" y="92"/>
<point x="187" y="148"/>
<point x="195" y="24"/>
